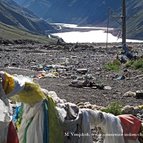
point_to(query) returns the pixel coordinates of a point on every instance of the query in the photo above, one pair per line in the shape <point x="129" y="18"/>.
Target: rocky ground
<point x="58" y="66"/>
<point x="69" y="61"/>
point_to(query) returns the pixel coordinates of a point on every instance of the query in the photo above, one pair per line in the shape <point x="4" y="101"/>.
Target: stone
<point x="61" y="70"/>
<point x="129" y="94"/>
<point x="100" y="86"/>
<point x="74" y="81"/>
<point x="82" y="70"/>
<point x="107" y="87"/>
<point x="94" y="87"/>
<point x="139" y="94"/>
<point x="14" y="64"/>
<point x="73" y="77"/>
<point x="77" y="83"/>
<point x="128" y="109"/>
<point x="88" y="77"/>
<point x="87" y="105"/>
<point x="96" y="107"/>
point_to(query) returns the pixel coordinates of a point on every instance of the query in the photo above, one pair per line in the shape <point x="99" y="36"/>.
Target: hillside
<point x="12" y="14"/>
<point x="11" y="33"/>
<point x="135" y="19"/>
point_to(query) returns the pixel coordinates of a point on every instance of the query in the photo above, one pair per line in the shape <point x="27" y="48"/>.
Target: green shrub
<point x="113" y="66"/>
<point x="135" y="64"/>
<point x="138" y="64"/>
<point x="114" y="108"/>
<point x="129" y="64"/>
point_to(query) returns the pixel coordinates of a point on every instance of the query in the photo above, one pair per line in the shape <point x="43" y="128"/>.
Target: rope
<point x="46" y="121"/>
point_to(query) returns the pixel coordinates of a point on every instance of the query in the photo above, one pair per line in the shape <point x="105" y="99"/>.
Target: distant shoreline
<point x="63" y="27"/>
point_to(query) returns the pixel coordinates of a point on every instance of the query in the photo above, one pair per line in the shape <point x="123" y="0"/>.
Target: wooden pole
<point x="107" y="27"/>
<point x="124" y="23"/>
<point x="124" y="45"/>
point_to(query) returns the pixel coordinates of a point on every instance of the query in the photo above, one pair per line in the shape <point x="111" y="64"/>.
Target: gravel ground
<point x="30" y="59"/>
<point x="26" y="59"/>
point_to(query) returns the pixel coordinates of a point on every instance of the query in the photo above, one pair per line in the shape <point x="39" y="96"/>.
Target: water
<point x="88" y="35"/>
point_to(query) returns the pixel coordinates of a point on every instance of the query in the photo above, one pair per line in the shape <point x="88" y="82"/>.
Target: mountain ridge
<point x="13" y="14"/>
<point x="73" y="11"/>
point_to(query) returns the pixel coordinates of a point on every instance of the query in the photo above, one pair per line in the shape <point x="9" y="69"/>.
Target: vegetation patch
<point x="113" y="66"/>
<point x="135" y="64"/>
<point x="114" y="108"/>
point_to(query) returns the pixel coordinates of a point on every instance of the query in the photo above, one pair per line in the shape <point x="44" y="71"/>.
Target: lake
<point x="88" y="34"/>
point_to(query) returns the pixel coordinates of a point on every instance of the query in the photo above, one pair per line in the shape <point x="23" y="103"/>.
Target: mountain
<point x="91" y="12"/>
<point x="37" y="6"/>
<point x="71" y="11"/>
<point x="135" y="19"/>
<point x="13" y="14"/>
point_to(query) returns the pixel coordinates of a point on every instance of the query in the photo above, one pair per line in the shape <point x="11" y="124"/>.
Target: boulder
<point x="129" y="94"/>
<point x="128" y="110"/>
